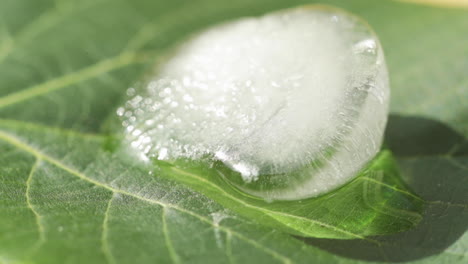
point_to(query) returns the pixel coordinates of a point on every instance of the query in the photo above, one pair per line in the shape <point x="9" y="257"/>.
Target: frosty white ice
<point x="295" y="102"/>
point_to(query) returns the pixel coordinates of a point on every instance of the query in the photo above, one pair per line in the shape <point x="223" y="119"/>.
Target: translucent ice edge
<point x="294" y="102"/>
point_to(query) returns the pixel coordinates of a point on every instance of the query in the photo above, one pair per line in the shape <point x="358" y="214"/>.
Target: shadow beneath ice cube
<point x="433" y="159"/>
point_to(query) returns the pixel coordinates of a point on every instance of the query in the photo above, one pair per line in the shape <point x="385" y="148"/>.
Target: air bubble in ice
<point x="288" y="105"/>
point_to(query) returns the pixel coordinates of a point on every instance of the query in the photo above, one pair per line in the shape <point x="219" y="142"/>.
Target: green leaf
<point x="64" y="68"/>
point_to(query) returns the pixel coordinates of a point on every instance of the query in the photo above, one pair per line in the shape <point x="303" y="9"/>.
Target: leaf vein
<point x="63" y="131"/>
<point x="167" y="238"/>
<point x="104" y="66"/>
<point x="37" y="153"/>
<point x="37" y="216"/>
<point x="38" y="25"/>
<point x="229" y="248"/>
<point x="105" y="233"/>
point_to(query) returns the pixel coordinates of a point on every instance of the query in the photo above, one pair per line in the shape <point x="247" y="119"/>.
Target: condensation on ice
<point x="268" y="96"/>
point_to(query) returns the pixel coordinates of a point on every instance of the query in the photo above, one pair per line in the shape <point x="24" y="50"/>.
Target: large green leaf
<point x="64" y="68"/>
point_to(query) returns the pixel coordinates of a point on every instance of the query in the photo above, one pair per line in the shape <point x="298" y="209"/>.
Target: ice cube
<point x="294" y="102"/>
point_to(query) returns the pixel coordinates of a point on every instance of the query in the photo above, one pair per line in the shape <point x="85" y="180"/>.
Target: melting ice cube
<point x="294" y="103"/>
